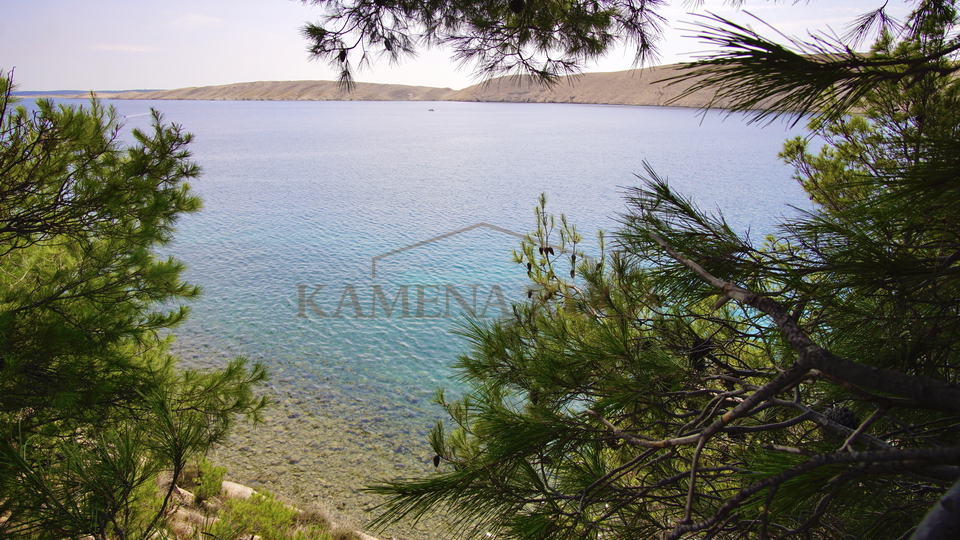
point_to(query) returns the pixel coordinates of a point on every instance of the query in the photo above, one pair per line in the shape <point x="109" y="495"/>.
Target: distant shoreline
<point x="631" y="87"/>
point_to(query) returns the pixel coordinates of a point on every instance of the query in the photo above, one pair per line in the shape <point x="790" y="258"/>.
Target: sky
<point x="135" y="44"/>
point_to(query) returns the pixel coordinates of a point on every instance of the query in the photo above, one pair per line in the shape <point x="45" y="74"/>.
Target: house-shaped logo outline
<point x="373" y="262"/>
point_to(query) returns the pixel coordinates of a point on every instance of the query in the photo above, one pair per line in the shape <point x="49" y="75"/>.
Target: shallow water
<point x="302" y="197"/>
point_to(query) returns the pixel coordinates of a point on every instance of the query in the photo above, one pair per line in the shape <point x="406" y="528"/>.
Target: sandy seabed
<point x="316" y="456"/>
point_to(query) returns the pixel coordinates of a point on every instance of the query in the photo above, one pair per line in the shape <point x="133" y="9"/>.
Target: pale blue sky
<point x="131" y="44"/>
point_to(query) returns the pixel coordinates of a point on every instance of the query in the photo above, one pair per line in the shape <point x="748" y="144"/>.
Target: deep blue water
<point x="300" y="197"/>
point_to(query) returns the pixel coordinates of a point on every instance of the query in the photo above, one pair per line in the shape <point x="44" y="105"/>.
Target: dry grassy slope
<point x="632" y="87"/>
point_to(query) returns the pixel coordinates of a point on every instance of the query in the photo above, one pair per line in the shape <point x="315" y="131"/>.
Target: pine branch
<point x="870" y="462"/>
<point x="755" y="74"/>
<point x="924" y="390"/>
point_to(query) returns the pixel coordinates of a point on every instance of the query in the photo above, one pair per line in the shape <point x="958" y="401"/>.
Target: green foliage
<point x="527" y="458"/>
<point x="825" y="74"/>
<point x="92" y="407"/>
<point x="690" y="383"/>
<point x="265" y="517"/>
<point x="208" y="481"/>
<point x="896" y="124"/>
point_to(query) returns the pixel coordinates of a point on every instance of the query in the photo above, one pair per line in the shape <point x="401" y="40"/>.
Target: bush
<point x="264" y="516"/>
<point x="209" y="480"/>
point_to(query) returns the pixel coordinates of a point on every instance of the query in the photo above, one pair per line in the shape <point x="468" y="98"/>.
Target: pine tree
<point x="92" y="406"/>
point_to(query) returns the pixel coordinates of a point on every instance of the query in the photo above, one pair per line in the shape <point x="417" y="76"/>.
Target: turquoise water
<point x="300" y="197"/>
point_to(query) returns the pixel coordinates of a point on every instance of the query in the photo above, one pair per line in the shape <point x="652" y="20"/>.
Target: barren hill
<point x="631" y="87"/>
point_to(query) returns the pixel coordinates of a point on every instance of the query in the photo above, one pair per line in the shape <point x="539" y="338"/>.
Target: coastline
<point x="637" y="87"/>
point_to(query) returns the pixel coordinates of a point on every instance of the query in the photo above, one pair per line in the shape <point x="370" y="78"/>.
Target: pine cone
<point x="843" y="416"/>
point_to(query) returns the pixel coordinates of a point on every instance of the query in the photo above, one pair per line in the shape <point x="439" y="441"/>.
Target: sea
<point x="342" y="245"/>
